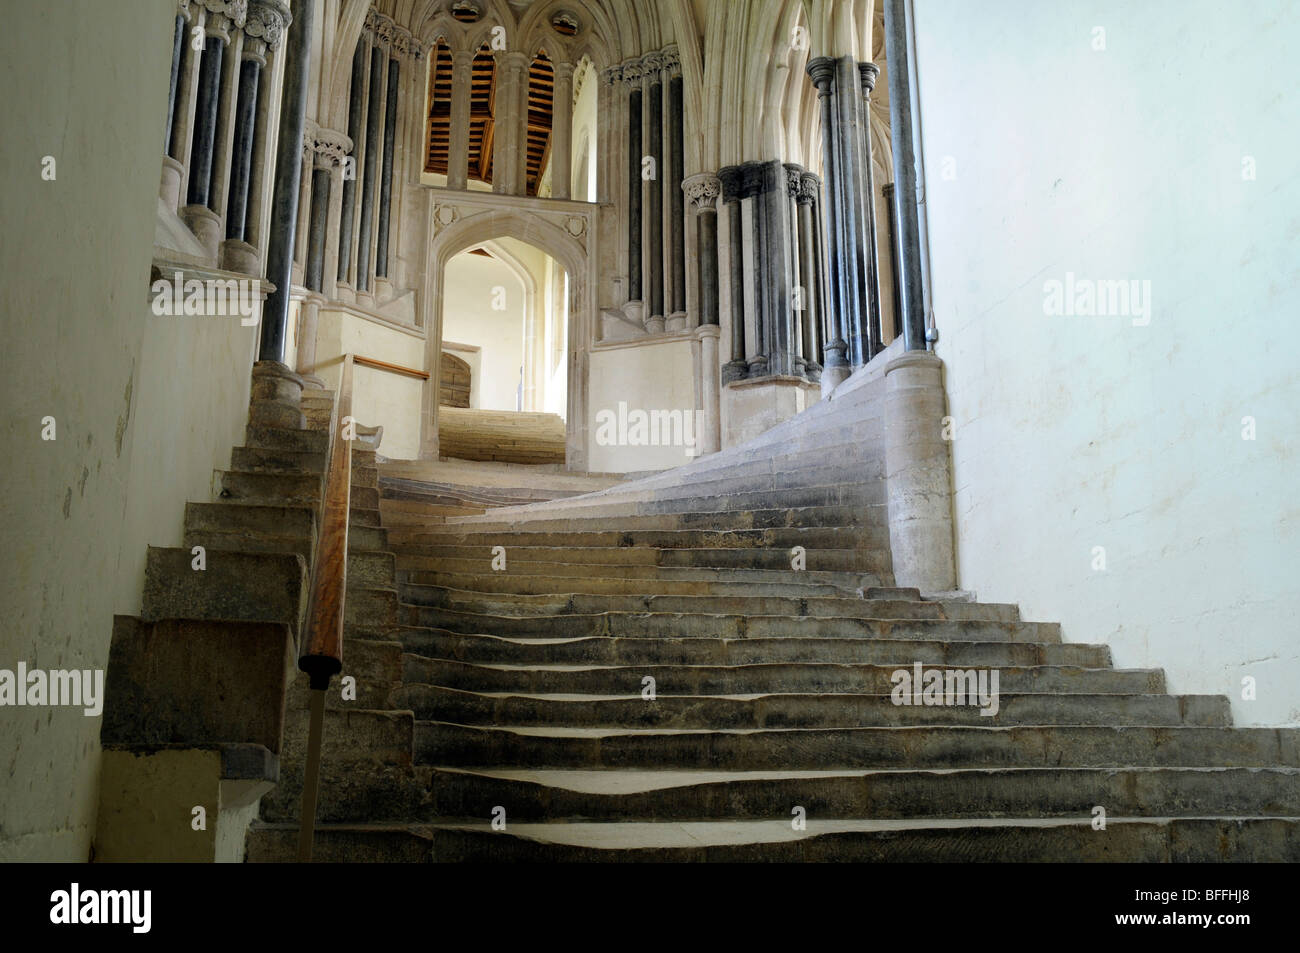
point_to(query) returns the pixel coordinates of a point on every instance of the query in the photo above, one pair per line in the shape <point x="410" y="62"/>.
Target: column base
<point x="169" y="186"/>
<point x="757" y="366"/>
<point x="238" y="255"/>
<point x="654" y="324"/>
<point x="756" y="406"/>
<point x="734" y="371"/>
<point x="383" y="289"/>
<point x="275" y="399"/>
<point x="635" y="311"/>
<point x="675" y="321"/>
<point x="918" y="474"/>
<point x="345" y="293"/>
<point x="206" y="226"/>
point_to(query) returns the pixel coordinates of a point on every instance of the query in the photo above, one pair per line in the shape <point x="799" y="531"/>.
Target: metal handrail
<point x="321" y="654"/>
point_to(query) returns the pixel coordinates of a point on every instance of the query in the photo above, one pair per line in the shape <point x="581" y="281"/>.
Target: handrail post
<point x="321" y="654"/>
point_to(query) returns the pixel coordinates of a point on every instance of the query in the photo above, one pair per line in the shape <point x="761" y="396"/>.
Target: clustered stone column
<point x="643" y="139"/>
<point x="369" y="201"/>
<point x="852" y="321"/>
<point x="776" y="265"/>
<point x="217" y="145"/>
<point x="703" y="191"/>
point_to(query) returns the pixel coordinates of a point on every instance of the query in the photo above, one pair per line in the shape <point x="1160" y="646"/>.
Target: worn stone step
<point x="555" y="795"/>
<point x="607" y="650"/>
<point x="482" y="568"/>
<point x="370" y="569"/>
<point x="367" y="538"/>
<point x="361" y="515"/>
<point x="413" y="539"/>
<point x="625" y="706"/>
<point x="747" y="678"/>
<point x="835" y="605"/>
<point x="716" y="521"/>
<point x="235" y="586"/>
<point x="516" y="583"/>
<point x="291" y="439"/>
<point x="911" y="747"/>
<point x="1012" y="840"/>
<point x="1009" y="840"/>
<point x="372" y="605"/>
<point x="271" y="488"/>
<point x="366" y="765"/>
<point x="873" y="561"/>
<point x="689" y="625"/>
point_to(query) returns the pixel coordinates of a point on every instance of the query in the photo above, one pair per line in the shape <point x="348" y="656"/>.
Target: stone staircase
<point x="504" y="712"/>
<point x="502" y="436"/>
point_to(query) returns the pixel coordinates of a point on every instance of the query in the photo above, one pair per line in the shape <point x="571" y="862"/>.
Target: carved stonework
<point x="266" y="23"/>
<point x="445" y="215"/>
<point x="672" y="62"/>
<point x="810" y="186"/>
<point x="793" y="180"/>
<point x="631" y="73"/>
<point x="703" y="190"/>
<point x="223" y="16"/>
<point x="651" y="64"/>
<point x="612" y="76"/>
<point x="576" y="225"/>
<point x="868" y="72"/>
<point x="330" y="147"/>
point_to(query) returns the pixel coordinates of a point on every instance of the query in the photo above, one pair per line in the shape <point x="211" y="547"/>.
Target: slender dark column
<point x="676" y="170"/>
<point x="888" y="191"/>
<point x="250" y="72"/>
<point x="386" y="182"/>
<point x="368" y="173"/>
<point x="823" y="293"/>
<point x="288" y="182"/>
<point x="868" y="72"/>
<point x="655" y="307"/>
<point x="634" y="195"/>
<point x="354" y="133"/>
<point x="737" y="368"/>
<point x="809" y="277"/>
<point x="847" y="101"/>
<point x="703" y="189"/>
<point x="908" y="249"/>
<point x="178" y="48"/>
<point x="822" y="71"/>
<point x="320" y="206"/>
<point x="757" y="190"/>
<point x="205" y="121"/>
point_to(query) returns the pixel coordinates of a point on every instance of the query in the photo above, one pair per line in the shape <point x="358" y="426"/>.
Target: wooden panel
<point x="454" y="383"/>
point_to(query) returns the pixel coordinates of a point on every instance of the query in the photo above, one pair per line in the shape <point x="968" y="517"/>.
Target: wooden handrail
<point x="393" y="368"/>
<point x="321" y="647"/>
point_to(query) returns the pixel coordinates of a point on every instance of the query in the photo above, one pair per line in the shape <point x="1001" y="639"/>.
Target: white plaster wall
<point x="469" y="318"/>
<point x="647" y="377"/>
<point x="1079" y="432"/>
<point x="379" y="398"/>
<point x="90" y="90"/>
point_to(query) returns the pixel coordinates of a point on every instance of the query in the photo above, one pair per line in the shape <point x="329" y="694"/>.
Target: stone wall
<point x="1134" y="142"/>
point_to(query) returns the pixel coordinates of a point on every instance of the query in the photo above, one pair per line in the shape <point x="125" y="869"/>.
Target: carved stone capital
<point x="563" y="71"/>
<point x="651" y="65"/>
<point x="793" y="179"/>
<point x="672" y="62"/>
<point x="810" y="186"/>
<point x="703" y="190"/>
<point x="868" y="72"/>
<point x="223" y="17"/>
<point x="822" y="71"/>
<point x="612" y="76"/>
<point x="330" y="147"/>
<point x="266" y="22"/>
<point x="732" y="179"/>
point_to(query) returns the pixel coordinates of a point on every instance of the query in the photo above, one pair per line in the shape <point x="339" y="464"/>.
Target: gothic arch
<point x="482" y="227"/>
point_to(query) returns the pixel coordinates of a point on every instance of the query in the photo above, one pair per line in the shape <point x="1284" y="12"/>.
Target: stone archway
<point x="561" y="229"/>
